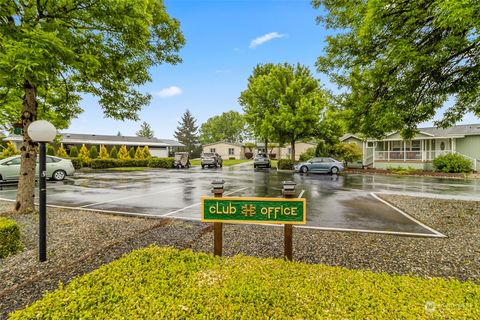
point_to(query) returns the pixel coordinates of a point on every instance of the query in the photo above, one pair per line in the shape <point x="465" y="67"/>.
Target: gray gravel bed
<point x="81" y="241"/>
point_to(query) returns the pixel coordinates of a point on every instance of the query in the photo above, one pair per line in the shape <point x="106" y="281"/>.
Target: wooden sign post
<point x="287" y="211"/>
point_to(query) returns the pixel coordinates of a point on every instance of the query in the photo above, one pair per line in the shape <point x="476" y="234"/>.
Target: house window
<point x="442" y="146"/>
<point x="212" y="150"/>
<point x="396" y="145"/>
<point x="231" y="151"/>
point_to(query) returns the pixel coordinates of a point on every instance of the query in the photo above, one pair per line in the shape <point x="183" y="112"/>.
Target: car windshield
<point x="262" y="156"/>
<point x="208" y="155"/>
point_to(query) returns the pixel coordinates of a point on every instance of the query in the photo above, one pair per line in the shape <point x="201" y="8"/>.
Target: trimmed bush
<point x="131" y="152"/>
<point x="50" y="150"/>
<point x="286" y="164"/>
<point x="123" y="153"/>
<point x="10" y="150"/>
<point x="73" y="152"/>
<point x="146" y="152"/>
<point x="165" y="283"/>
<point x="10" y="242"/>
<point x="113" y="153"/>
<point x="166" y="163"/>
<point x="308" y="154"/>
<point x="139" y="153"/>
<point x="61" y="152"/>
<point x="77" y="163"/>
<point x="84" y="156"/>
<point x="452" y="162"/>
<point x="103" y="152"/>
<point x="93" y="153"/>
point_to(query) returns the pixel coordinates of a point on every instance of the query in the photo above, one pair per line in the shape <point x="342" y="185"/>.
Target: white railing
<point x="406" y="155"/>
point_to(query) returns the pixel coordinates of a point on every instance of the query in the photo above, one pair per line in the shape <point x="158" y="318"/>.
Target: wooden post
<point x="288" y="192"/>
<point x="218" y="226"/>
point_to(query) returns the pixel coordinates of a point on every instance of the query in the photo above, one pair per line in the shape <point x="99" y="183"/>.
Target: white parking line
<point x="131" y="197"/>
<point x="199" y="203"/>
<point x="301" y="194"/>
<point x="439" y="234"/>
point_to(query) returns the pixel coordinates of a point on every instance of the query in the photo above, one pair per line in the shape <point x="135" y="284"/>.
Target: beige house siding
<point x="300" y="147"/>
<point x="223" y="149"/>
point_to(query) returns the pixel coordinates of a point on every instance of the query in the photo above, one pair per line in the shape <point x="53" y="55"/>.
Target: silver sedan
<point x="57" y="168"/>
<point x="328" y="165"/>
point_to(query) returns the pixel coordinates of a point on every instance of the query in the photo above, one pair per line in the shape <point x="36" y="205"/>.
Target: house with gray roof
<point x="157" y="147"/>
<point x="419" y="152"/>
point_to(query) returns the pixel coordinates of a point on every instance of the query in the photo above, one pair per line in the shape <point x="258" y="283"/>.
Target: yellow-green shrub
<point x="164" y="283"/>
<point x="9" y="237"/>
<point x="61" y="152"/>
<point x="84" y="156"/>
<point x="103" y="153"/>
<point x="123" y="153"/>
<point x="146" y="152"/>
<point x="139" y="153"/>
<point x="10" y="150"/>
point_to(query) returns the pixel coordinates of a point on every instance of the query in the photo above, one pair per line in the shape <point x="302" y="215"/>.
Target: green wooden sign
<point x="254" y="210"/>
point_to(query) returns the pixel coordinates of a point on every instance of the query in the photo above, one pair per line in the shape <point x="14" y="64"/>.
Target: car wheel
<point x="334" y="170"/>
<point x="59" y="175"/>
<point x="304" y="169"/>
<point x="254" y="166"/>
<point x="203" y="167"/>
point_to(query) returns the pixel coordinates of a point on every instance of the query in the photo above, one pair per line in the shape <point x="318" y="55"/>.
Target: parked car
<point x="57" y="168"/>
<point x="181" y="160"/>
<point x="319" y="165"/>
<point x="262" y="160"/>
<point x="211" y="159"/>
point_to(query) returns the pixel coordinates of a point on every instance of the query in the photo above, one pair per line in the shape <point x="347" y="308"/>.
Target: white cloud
<point x="169" y="92"/>
<point x="265" y="38"/>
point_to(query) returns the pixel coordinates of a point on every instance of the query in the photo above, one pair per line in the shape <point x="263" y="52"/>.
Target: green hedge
<point x="286" y="164"/>
<point x="77" y="163"/>
<point x="9" y="237"/>
<point x="452" y="162"/>
<point x="116" y="163"/>
<point x="164" y="283"/>
<point x="161" y="163"/>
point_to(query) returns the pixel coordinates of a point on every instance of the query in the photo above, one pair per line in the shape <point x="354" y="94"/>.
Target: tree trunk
<point x="26" y="183"/>
<point x="293" y="150"/>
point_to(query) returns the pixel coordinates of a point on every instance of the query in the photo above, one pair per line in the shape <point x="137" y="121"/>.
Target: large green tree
<point x="400" y="61"/>
<point x="259" y="103"/>
<point x="51" y="52"/>
<point x="294" y="102"/>
<point x="229" y="126"/>
<point x="145" y="131"/>
<point x="187" y="133"/>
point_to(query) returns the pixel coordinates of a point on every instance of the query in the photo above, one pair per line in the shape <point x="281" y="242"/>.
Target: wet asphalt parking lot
<point x="345" y="202"/>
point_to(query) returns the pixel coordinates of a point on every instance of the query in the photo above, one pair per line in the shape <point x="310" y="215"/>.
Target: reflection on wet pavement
<point x="332" y="201"/>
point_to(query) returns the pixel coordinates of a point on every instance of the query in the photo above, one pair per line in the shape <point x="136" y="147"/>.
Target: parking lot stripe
<point x="131" y="197"/>
<point x="199" y="203"/>
<point x="408" y="216"/>
<point x="399" y="233"/>
<point x="301" y="194"/>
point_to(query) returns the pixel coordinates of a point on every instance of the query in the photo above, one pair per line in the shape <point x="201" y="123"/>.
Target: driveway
<point x="346" y="203"/>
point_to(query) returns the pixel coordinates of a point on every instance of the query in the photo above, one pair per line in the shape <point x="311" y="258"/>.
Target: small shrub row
<point x="166" y="163"/>
<point x="401" y="170"/>
<point x="452" y="162"/>
<point x="9" y="237"/>
<point x="286" y="164"/>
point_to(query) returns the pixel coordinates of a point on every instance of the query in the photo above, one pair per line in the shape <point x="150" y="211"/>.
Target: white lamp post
<point x="42" y="131"/>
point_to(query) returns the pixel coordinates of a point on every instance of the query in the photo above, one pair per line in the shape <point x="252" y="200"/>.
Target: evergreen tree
<point x="131" y="152"/>
<point x="93" y="152"/>
<point x="145" y="131"/>
<point x="84" y="156"/>
<point x="103" y="152"/>
<point x="139" y="153"/>
<point x="123" y="153"/>
<point x="114" y="153"/>
<point x="187" y="134"/>
<point x="119" y="134"/>
<point x="73" y="152"/>
<point x="146" y="152"/>
<point x="61" y="152"/>
<point x="50" y="150"/>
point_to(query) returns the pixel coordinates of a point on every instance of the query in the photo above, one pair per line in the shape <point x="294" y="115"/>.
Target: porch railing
<point x="406" y="155"/>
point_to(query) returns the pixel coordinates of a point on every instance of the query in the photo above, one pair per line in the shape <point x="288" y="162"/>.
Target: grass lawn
<point x="128" y="169"/>
<point x="226" y="163"/>
<point x="165" y="283"/>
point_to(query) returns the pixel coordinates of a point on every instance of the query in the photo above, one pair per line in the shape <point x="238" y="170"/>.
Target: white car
<point x="57" y="168"/>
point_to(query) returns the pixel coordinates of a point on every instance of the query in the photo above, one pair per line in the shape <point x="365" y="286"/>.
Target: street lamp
<point x="42" y="131"/>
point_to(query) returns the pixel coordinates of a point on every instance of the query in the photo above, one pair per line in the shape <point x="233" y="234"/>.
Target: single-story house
<point x="419" y="152"/>
<point x="237" y="150"/>
<point x="158" y="147"/>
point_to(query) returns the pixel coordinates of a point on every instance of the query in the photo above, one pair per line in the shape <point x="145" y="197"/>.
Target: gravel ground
<point x="81" y="241"/>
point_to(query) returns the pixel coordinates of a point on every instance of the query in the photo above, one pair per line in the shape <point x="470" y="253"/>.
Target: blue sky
<point x="225" y="40"/>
